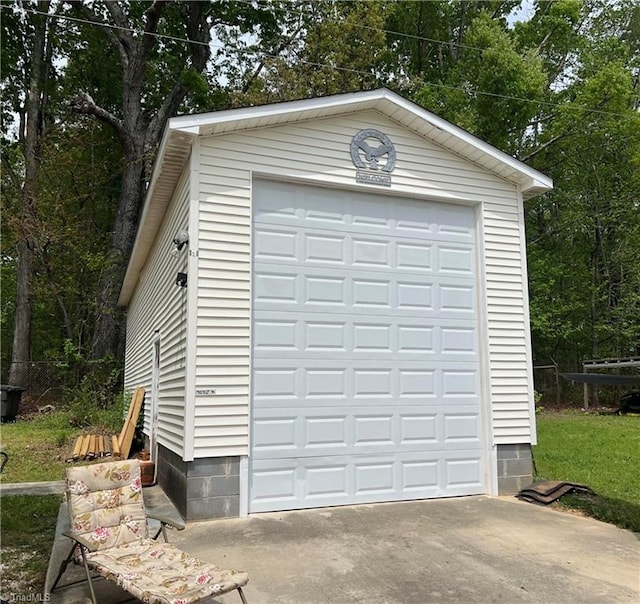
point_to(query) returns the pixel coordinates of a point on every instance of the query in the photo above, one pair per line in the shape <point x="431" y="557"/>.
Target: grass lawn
<point x="37" y="448"/>
<point x="38" y="445"/>
<point x="601" y="451"/>
<point x="28" y="529"/>
<point x="597" y="450"/>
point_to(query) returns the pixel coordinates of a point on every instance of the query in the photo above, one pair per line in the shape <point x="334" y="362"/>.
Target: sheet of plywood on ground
<point x="126" y="434"/>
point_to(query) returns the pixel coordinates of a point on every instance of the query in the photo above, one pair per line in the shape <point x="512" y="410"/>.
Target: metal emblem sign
<point x="374" y="155"/>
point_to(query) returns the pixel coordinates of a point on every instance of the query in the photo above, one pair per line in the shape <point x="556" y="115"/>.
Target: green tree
<point x="30" y="135"/>
<point x="326" y="47"/>
<point x="145" y="103"/>
<point x="492" y="85"/>
<point x="584" y="274"/>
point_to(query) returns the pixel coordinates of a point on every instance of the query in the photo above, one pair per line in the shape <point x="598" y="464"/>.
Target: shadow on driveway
<point x="468" y="549"/>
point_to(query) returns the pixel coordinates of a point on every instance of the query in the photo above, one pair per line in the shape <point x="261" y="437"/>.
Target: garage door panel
<point x="348" y="251"/>
<point x="415" y="257"/>
<point x="321" y="221"/>
<point x="462" y="474"/>
<point x="273" y="485"/>
<point x="365" y="383"/>
<point x="338" y="480"/>
<point x="298" y="432"/>
<point x="284" y="291"/>
<point x="322" y="379"/>
<point x="287" y="335"/>
<point x="275" y="244"/>
<point x="455" y="259"/>
<point x="305" y="271"/>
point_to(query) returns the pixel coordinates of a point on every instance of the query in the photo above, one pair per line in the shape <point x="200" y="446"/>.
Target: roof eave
<point x="174" y="144"/>
<point x="181" y="131"/>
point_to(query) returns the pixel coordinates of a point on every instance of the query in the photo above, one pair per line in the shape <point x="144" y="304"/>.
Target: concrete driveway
<point x="469" y="549"/>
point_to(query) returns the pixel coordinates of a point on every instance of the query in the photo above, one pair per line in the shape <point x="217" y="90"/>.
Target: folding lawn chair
<point x="111" y="537"/>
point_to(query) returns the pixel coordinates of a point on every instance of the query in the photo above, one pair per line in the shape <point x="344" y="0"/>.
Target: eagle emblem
<point x="367" y="155"/>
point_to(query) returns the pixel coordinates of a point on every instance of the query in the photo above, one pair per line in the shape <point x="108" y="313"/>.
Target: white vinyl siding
<point x="317" y="152"/>
<point x="159" y="305"/>
<point x="222" y="355"/>
<point x="508" y="322"/>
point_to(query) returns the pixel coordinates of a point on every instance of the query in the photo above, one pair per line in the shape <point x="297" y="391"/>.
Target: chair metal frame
<point x="82" y="546"/>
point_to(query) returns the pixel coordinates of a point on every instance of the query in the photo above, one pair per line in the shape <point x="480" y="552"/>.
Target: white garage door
<point x="365" y="350"/>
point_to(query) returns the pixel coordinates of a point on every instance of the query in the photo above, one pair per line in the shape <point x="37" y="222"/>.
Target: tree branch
<point x="281" y="47"/>
<point x="542" y="147"/>
<point x="198" y="32"/>
<point x="84" y="103"/>
<point x="545" y="40"/>
<point x="152" y="14"/>
<point x="116" y="12"/>
<point x="120" y="38"/>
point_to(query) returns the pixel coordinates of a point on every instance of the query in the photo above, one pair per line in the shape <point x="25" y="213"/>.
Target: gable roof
<point x="181" y="131"/>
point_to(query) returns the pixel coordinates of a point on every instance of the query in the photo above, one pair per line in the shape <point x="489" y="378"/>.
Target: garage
<point x="365" y="349"/>
<point x="327" y="305"/>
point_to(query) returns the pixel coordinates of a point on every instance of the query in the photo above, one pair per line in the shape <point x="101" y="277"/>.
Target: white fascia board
<point x="149" y="223"/>
<point x="531" y="178"/>
<point x="531" y="181"/>
<point x="274" y="110"/>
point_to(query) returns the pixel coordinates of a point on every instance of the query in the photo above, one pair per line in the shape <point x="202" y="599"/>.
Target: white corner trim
<point x="244" y="487"/>
<point x="490" y="464"/>
<point x="527" y="320"/>
<point x="192" y="304"/>
<point x="492" y="477"/>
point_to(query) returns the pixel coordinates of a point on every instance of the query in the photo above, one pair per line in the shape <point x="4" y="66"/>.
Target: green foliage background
<point x="557" y="87"/>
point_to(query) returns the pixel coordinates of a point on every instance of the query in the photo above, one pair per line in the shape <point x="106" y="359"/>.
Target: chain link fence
<point x="51" y="382"/>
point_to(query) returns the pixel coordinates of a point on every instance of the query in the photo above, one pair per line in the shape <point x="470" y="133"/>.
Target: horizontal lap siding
<point x="222" y="361"/>
<point x="507" y="324"/>
<point x="318" y="152"/>
<point x="158" y="304"/>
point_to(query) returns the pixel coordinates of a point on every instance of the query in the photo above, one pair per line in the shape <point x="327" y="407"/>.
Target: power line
<point x="245" y="51"/>
<point x="448" y="43"/>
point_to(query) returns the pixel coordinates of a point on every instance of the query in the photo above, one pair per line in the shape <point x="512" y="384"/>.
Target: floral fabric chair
<point x="109" y="529"/>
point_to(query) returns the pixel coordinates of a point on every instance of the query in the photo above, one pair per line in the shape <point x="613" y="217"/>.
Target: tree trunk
<point x="140" y="132"/>
<point x="21" y="351"/>
<point x="108" y="337"/>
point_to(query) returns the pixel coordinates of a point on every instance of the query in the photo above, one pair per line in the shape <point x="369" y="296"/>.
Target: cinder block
<point x="519" y="467"/>
<point x="524" y="452"/>
<point x="507" y="452"/>
<point x="201" y="489"/>
<point x="215" y="466"/>
<point x="518" y="451"/>
<point x="198" y="487"/>
<point x="510" y="485"/>
<point x="172" y="478"/>
<point x="174" y="485"/>
<point x="220" y="486"/>
<point x="213" y="507"/>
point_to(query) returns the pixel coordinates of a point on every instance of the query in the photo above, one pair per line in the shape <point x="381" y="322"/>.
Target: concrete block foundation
<point x="515" y="468"/>
<point x="210" y="488"/>
<point x="201" y="489"/>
